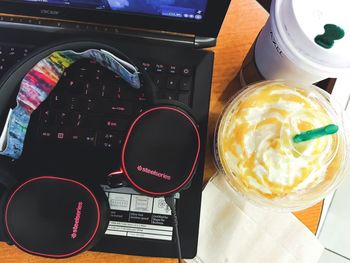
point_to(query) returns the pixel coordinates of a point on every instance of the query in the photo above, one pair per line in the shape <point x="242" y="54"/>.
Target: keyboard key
<point x="169" y="95"/>
<point x="125" y="92"/>
<point x="46" y="133"/>
<point x="25" y="51"/>
<point x="187" y="71"/>
<point x="75" y="135"/>
<point x="109" y="137"/>
<point x="64" y="76"/>
<point x="172" y="83"/>
<point x="3" y="69"/>
<point x="88" y="105"/>
<point x="115" y="77"/>
<point x="185" y="84"/>
<point x="103" y="91"/>
<point x="90" y="121"/>
<point x="73" y="104"/>
<point x="88" y="137"/>
<point x="116" y="106"/>
<point x="4" y="65"/>
<point x="73" y="86"/>
<point x="159" y="81"/>
<point x="80" y="136"/>
<point x="147" y="66"/>
<point x="77" y="119"/>
<point x="159" y="68"/>
<point x="12" y="54"/>
<point x="115" y="90"/>
<point x="91" y="89"/>
<point x="63" y="118"/>
<point x="107" y="145"/>
<point x="60" y="135"/>
<point x="173" y="69"/>
<point x="123" y="108"/>
<point x="97" y="77"/>
<point x="106" y="91"/>
<point x="109" y="140"/>
<point x="184" y="98"/>
<point x="83" y="72"/>
<point x="57" y="101"/>
<point x="115" y="124"/>
<point x="141" y="97"/>
<point x="47" y="116"/>
<point x="140" y="107"/>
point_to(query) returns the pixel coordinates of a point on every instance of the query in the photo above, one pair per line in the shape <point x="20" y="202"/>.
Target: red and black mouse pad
<point x="161" y="150"/>
<point x="55" y="217"/>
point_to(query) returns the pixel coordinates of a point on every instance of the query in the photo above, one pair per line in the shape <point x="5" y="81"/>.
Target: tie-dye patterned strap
<point x="42" y="79"/>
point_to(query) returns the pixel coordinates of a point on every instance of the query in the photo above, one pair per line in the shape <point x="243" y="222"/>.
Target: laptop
<point x="82" y="123"/>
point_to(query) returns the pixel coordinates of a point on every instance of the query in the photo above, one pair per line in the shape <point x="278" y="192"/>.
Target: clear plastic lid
<point x="255" y="149"/>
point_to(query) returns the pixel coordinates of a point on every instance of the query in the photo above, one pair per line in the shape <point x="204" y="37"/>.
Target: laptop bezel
<point x="209" y="26"/>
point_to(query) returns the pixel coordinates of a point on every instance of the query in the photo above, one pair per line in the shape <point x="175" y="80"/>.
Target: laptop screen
<point x="200" y="18"/>
<point x="183" y="9"/>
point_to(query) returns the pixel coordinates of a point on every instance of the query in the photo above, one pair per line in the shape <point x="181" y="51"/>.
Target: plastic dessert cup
<point x="255" y="150"/>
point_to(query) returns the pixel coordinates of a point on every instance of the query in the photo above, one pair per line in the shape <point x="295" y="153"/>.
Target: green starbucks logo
<point x="331" y="33"/>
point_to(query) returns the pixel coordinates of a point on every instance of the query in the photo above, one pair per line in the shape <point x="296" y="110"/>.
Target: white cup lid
<point x="299" y="22"/>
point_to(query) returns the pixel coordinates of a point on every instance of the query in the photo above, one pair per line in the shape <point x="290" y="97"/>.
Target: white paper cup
<point x="286" y="47"/>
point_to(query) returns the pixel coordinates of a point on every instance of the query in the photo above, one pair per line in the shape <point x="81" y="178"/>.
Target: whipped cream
<point x="255" y="143"/>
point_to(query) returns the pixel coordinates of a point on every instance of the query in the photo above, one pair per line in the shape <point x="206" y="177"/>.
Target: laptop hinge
<point x="67" y="26"/>
<point x="204" y="42"/>
<point x="171" y="38"/>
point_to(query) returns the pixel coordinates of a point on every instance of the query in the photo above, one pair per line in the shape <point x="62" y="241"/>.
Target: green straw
<point x="316" y="133"/>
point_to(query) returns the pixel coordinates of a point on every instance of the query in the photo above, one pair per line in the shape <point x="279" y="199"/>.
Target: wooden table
<point x="243" y="21"/>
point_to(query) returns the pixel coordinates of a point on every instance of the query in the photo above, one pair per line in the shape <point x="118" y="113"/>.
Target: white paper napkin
<point x="233" y="230"/>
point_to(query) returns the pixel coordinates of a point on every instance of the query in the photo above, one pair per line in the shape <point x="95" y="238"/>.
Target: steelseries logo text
<point x="77" y="220"/>
<point x="153" y="172"/>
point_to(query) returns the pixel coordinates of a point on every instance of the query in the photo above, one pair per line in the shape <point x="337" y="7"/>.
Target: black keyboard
<point x="91" y="106"/>
<point x="94" y="107"/>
